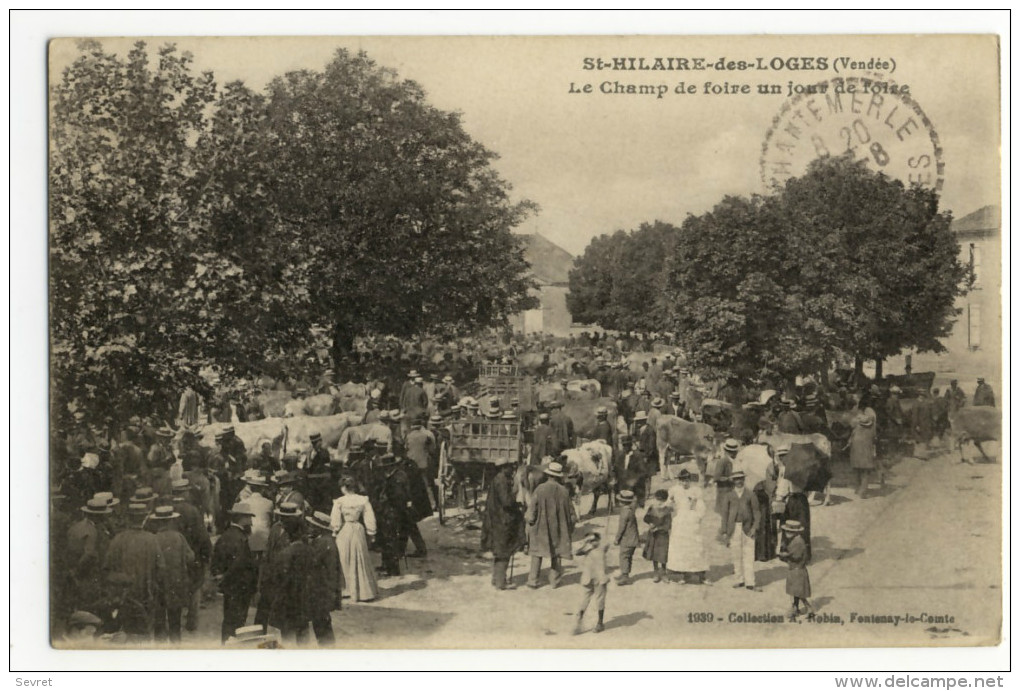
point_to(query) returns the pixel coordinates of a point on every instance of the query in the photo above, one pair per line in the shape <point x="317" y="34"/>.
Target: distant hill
<point x="550" y="263"/>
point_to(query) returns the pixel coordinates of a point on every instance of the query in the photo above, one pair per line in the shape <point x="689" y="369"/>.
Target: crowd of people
<point x="144" y="530"/>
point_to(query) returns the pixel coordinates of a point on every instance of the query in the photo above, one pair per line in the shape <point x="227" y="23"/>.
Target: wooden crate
<point x="484" y="441"/>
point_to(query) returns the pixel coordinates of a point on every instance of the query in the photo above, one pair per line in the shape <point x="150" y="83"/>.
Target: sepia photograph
<point x="524" y="342"/>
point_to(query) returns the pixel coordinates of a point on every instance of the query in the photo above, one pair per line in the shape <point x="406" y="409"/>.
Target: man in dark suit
<point x="630" y="468"/>
<point x="543" y="443"/>
<point x="646" y="446"/>
<point x="563" y="430"/>
<point x="234" y="567"/>
<point x="741" y="510"/>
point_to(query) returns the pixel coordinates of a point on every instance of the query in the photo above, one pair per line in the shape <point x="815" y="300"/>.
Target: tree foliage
<point x="615" y="282"/>
<point x="193" y="226"/>
<point x="842" y="262"/>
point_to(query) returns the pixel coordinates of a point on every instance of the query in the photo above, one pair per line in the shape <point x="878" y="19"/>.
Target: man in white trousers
<point x="742" y="518"/>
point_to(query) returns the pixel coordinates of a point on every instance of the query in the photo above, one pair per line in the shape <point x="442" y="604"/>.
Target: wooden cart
<point x="468" y="459"/>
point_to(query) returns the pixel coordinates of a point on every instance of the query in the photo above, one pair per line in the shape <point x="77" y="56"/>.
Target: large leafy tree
<point x="129" y="317"/>
<point x="615" y="282"/>
<point x="195" y="227"/>
<point x="843" y="262"/>
<point x="403" y="224"/>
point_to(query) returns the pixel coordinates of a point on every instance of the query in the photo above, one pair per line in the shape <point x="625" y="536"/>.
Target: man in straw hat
<point x="280" y="590"/>
<point x="503" y="524"/>
<point x="318" y="477"/>
<point x="645" y="447"/>
<point x="562" y="428"/>
<point x="322" y="581"/>
<point x="135" y="552"/>
<point x="234" y="568"/>
<point x="594" y="579"/>
<point x="550" y="518"/>
<point x="257" y="499"/>
<point x="87" y="541"/>
<point x="192" y="526"/>
<point x="603" y="430"/>
<point x="742" y="518"/>
<point x="393" y="511"/>
<point x="627" y="535"/>
<point x="543" y="440"/>
<point x="174" y="587"/>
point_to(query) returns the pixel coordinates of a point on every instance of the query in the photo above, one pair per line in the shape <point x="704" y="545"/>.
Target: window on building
<point x="974" y="326"/>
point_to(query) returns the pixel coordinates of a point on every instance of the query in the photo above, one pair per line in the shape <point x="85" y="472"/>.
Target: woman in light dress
<point x="686" y="543"/>
<point x="353" y="522"/>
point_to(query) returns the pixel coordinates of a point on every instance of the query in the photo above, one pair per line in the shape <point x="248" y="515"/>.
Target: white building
<point x="550" y="267"/>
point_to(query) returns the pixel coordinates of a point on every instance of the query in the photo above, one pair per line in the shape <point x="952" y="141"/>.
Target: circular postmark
<point x="874" y="118"/>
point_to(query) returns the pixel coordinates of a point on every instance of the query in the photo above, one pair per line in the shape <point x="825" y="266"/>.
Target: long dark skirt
<point x="766" y="540"/>
<point x="798" y="509"/>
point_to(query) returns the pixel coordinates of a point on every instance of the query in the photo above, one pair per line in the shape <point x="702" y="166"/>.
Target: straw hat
<point x="108" y="497"/>
<point x="142" y="494"/>
<point x="254" y="477"/>
<point x="731" y="444"/>
<point x="320" y="520"/>
<point x="640" y="415"/>
<point x="96" y="507"/>
<point x="738" y="475"/>
<point x="288" y="509"/>
<point x="792" y="527"/>
<point x="626" y="496"/>
<point x="555" y="469"/>
<point x="242" y="508"/>
<point x="164" y="513"/>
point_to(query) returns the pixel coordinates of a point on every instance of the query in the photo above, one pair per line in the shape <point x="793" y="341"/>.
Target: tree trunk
<point x="878" y="369"/>
<point x="858" y="370"/>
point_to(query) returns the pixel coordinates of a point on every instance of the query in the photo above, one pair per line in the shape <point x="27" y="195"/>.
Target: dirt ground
<point x="925" y="548"/>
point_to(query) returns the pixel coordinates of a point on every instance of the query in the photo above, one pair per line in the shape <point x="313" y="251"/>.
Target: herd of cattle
<point x="581" y="376"/>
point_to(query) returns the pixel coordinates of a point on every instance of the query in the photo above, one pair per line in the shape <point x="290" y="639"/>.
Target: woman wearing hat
<point x="798" y="585"/>
<point x="862" y="445"/>
<point x="174" y="592"/>
<point x="686" y="543"/>
<point x="352" y="522"/>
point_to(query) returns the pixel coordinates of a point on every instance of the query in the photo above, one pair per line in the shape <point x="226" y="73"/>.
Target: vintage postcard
<point x="525" y="342"/>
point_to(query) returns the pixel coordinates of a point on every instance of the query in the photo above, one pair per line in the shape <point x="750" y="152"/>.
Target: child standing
<point x="798" y="585"/>
<point x="594" y="578"/>
<point x="656" y="549"/>
<point x="627" y="537"/>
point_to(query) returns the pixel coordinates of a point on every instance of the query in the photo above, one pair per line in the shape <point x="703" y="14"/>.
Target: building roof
<point x="550" y="263"/>
<point x="984" y="221"/>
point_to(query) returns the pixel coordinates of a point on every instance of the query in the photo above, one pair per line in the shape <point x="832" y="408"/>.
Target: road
<point x="927" y="546"/>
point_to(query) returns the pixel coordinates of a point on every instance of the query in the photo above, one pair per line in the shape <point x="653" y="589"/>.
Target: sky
<point x="597" y="162"/>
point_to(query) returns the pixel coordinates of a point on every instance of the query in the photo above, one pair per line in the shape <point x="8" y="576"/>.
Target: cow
<point x="273" y="402"/>
<point x="804" y="444"/>
<point x="318" y="405"/>
<point x="684" y="438"/>
<point x="820" y="442"/>
<point x="977" y="424"/>
<point x="297" y="430"/>
<point x="378" y="432"/>
<point x="583" y="415"/>
<point x="352" y="398"/>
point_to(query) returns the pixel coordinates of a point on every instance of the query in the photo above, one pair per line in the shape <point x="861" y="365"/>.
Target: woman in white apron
<point x="686" y="543"/>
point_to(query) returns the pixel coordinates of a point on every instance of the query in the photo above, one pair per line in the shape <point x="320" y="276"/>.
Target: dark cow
<point x="976" y="424"/>
<point x="684" y="438"/>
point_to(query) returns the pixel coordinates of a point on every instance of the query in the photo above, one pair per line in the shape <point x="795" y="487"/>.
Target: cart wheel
<point x="441" y="483"/>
